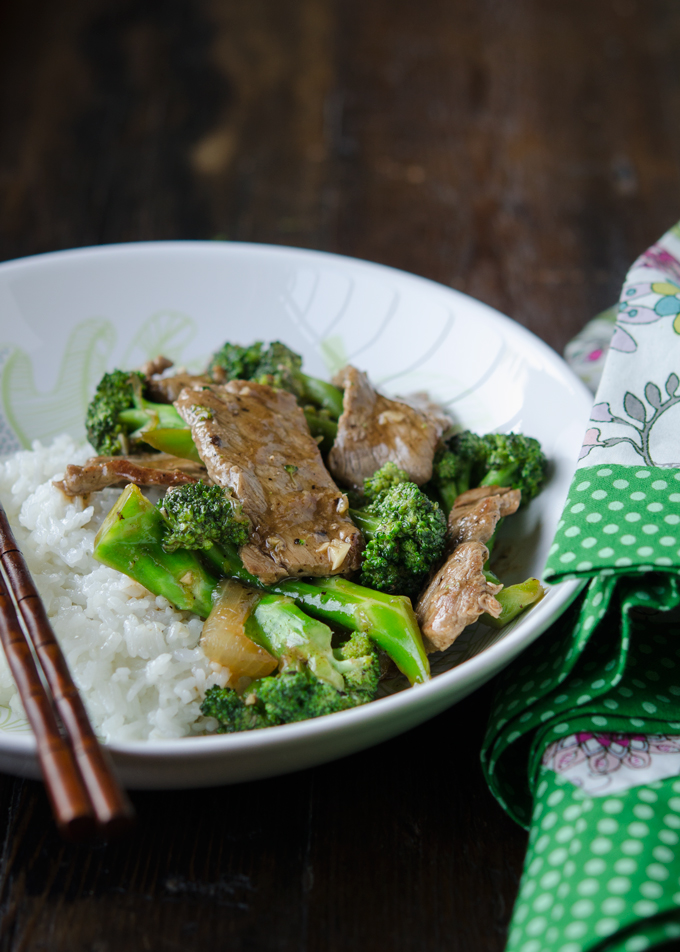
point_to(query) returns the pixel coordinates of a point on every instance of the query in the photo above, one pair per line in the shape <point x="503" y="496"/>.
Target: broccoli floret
<point x="297" y="696"/>
<point x="387" y="476"/>
<point x="467" y="460"/>
<point x="456" y="466"/>
<point x="233" y="713"/>
<point x="233" y="362"/>
<point x="405" y="533"/>
<point x="278" y="366"/>
<point x="297" y="693"/>
<point x="280" y="627"/>
<point x="281" y="367"/>
<point x="118" y="415"/>
<point x="279" y="699"/>
<point x="514" y="460"/>
<point x="357" y="660"/>
<point x="114" y="393"/>
<point x="200" y="516"/>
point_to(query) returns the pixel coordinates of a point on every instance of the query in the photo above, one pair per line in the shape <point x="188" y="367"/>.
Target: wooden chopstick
<point x="70" y="803"/>
<point x="78" y="773"/>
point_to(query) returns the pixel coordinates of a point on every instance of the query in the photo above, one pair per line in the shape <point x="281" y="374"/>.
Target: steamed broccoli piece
<point x="297" y="696"/>
<point x="314" y="679"/>
<point x="202" y="516"/>
<point x="455" y="467"/>
<point x="131" y="540"/>
<point x="118" y="415"/>
<point x="466" y="461"/>
<point x="322" y="426"/>
<point x="279" y="699"/>
<point x="388" y="620"/>
<point x="387" y="476"/>
<point x="114" y="393"/>
<point x="513" y="599"/>
<point x="236" y="362"/>
<point x="514" y="460"/>
<point x="357" y="660"/>
<point x="297" y="641"/>
<point x="281" y="367"/>
<point x="405" y="533"/>
<point x="134" y="546"/>
<point x="233" y="713"/>
<point x="278" y="366"/>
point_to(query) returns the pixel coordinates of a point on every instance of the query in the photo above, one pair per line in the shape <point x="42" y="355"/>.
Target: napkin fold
<point x="583" y="746"/>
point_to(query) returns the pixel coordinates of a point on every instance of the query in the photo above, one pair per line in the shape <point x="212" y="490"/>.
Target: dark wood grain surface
<point x="523" y="152"/>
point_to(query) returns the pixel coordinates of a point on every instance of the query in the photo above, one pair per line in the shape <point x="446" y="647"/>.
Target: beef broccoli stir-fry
<point x="325" y="532"/>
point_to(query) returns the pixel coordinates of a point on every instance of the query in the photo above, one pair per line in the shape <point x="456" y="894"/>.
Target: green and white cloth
<point x="583" y="747"/>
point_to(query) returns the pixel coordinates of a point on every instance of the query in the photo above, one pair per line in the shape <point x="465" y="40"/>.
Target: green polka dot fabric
<point x="600" y="872"/>
<point x="583" y="744"/>
<point x="613" y="658"/>
<point x="618" y="519"/>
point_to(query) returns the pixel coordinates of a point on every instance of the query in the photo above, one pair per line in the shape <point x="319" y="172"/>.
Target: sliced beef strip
<point x="156" y="366"/>
<point x="482" y="492"/>
<point x="161" y="389"/>
<point x="476" y="521"/>
<point x="145" y="469"/>
<point x="255" y="441"/>
<point x="456" y="596"/>
<point x="374" y="430"/>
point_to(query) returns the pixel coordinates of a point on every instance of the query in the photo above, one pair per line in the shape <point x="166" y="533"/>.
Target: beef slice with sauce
<point x="456" y="596"/>
<point x="476" y="513"/>
<point x="255" y="441"/>
<point x="144" y="469"/>
<point x="161" y="389"/>
<point x="374" y="430"/>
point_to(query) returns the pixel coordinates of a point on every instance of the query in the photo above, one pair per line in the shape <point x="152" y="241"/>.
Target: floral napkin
<point x="583" y="747"/>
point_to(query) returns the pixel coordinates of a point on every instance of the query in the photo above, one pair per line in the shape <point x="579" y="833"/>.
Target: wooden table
<point x="523" y="152"/>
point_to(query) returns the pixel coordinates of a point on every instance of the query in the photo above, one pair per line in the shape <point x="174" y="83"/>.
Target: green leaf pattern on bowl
<point x="29" y="413"/>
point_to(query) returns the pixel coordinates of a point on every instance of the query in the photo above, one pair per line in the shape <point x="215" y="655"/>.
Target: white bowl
<point x="67" y="317"/>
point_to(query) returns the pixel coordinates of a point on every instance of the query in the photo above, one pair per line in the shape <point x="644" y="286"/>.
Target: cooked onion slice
<point x="224" y="639"/>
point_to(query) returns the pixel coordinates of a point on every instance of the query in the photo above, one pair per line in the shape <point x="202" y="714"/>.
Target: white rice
<point x="135" y="659"/>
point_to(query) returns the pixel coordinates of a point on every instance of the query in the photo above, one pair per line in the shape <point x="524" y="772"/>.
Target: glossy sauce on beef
<point x="144" y="469"/>
<point x="374" y="430"/>
<point x="255" y="441"/>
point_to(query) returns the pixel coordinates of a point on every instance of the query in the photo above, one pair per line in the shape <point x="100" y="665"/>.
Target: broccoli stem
<point x="448" y="493"/>
<point x="293" y="638"/>
<point x="172" y="440"/>
<point x="388" y="620"/>
<point x="449" y="490"/>
<point x="320" y="425"/>
<point x="160" y="425"/>
<point x="136" y="418"/>
<point x="500" y="477"/>
<point x="492" y="542"/>
<point x="364" y="521"/>
<point x="130" y="541"/>
<point x="513" y="600"/>
<point x="322" y="394"/>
